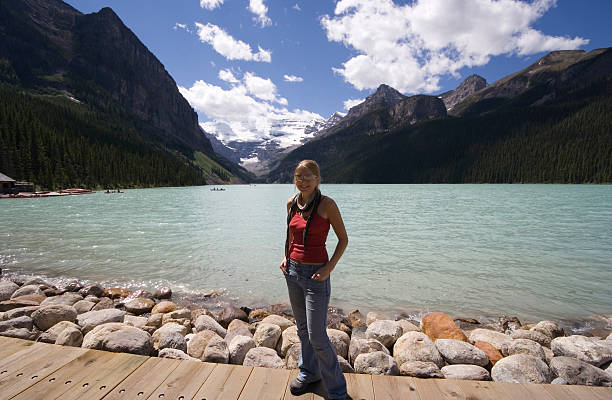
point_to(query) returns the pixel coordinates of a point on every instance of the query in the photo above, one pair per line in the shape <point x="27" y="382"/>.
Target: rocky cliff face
<point x="49" y="46"/>
<point x="469" y="86"/>
<point x="417" y="108"/>
<point x="545" y="78"/>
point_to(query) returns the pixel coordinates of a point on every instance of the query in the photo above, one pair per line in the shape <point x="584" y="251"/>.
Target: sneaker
<point x="297" y="387"/>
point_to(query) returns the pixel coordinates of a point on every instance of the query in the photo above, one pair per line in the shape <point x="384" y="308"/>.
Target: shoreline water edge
<point x="208" y="328"/>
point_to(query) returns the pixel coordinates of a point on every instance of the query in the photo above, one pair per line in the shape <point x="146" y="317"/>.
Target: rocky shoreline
<point x="436" y="346"/>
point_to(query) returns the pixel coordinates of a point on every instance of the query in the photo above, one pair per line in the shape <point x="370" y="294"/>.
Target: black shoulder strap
<point x="289" y="216"/>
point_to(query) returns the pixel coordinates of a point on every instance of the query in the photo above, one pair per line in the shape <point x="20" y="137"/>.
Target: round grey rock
<point x="139" y="305"/>
<point x="204" y="322"/>
<point x="175" y="354"/>
<point x="67" y="299"/>
<point x="535" y="336"/>
<point x="340" y="340"/>
<point x="7" y="288"/>
<point x="385" y="331"/>
<point x="263" y="357"/>
<point x="267" y="335"/>
<point x="420" y="369"/>
<point x="521" y="368"/>
<point x="23" y="322"/>
<point x="171" y="339"/>
<point x="524" y="346"/>
<point x="47" y="316"/>
<point x="416" y="346"/>
<point x="70" y="336"/>
<point x="577" y="372"/>
<point x="129" y="340"/>
<point x="549" y="328"/>
<point x="376" y="363"/>
<point x="466" y="372"/>
<point x="239" y="347"/>
<point x="26" y="290"/>
<point x="591" y="350"/>
<point x="87" y="321"/>
<point x="460" y="352"/>
<point x="360" y="346"/>
<point x="497" y="339"/>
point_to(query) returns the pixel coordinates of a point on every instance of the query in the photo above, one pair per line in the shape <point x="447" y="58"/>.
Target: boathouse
<point x="7" y="184"/>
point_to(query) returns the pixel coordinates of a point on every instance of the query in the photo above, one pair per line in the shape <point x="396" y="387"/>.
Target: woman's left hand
<point x="322" y="273"/>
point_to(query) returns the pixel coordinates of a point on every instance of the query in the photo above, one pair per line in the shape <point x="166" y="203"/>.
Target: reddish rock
<point x="490" y="350"/>
<point x="438" y="325"/>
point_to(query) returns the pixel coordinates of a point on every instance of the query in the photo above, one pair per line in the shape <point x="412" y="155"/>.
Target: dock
<point x="35" y="371"/>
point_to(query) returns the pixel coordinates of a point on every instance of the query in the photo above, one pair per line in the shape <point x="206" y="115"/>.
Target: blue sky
<point x="245" y="65"/>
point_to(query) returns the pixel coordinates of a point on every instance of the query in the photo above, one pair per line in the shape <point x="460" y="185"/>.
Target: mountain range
<point x="94" y="63"/>
<point x="84" y="102"/>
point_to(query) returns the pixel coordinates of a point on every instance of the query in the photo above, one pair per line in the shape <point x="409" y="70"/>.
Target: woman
<point x="307" y="268"/>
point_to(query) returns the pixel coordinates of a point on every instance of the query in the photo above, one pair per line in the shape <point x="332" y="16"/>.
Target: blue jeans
<point x="309" y="300"/>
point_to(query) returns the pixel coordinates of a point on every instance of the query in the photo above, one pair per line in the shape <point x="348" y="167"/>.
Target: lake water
<point x="535" y="251"/>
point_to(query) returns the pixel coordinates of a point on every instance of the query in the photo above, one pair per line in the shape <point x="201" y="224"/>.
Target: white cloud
<point x="293" y="78"/>
<point x="261" y="88"/>
<point x="352" y="103"/>
<point x="260" y="10"/>
<point x="297" y="7"/>
<point x="411" y="46"/>
<point x="229" y="47"/>
<point x="227" y="76"/>
<point x="210" y="4"/>
<point x="247" y="111"/>
<point x="178" y="26"/>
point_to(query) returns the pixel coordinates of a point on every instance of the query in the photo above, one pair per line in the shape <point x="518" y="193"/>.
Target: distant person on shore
<point x="307" y="268"/>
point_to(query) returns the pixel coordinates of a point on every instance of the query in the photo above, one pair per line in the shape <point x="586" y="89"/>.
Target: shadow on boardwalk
<point x="31" y="370"/>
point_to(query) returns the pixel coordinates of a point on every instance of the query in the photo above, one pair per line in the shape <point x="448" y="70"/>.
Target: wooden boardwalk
<point x="33" y="371"/>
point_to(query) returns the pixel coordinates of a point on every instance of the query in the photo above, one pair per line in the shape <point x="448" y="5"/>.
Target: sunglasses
<point x="306" y="178"/>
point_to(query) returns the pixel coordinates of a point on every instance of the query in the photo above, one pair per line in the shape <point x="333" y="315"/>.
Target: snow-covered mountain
<point x="259" y="156"/>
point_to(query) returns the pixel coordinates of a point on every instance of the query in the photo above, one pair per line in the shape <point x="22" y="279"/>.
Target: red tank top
<point x="315" y="251"/>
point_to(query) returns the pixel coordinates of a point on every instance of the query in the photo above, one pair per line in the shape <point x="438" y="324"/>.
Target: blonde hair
<point x="312" y="167"/>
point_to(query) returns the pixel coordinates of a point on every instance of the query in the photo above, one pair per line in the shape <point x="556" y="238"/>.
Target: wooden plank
<point x="536" y="391"/>
<point x="31" y="371"/>
<point x="60" y="381"/>
<point x="265" y="383"/>
<point x="359" y="386"/>
<point x="394" y="388"/>
<point x="19" y="356"/>
<point x="145" y="380"/>
<point x="100" y="381"/>
<point x="224" y="383"/>
<point x="288" y="396"/>
<point x="184" y="382"/>
<point x="482" y="390"/>
<point x="578" y="392"/>
<point x="10" y="346"/>
<point x="432" y="389"/>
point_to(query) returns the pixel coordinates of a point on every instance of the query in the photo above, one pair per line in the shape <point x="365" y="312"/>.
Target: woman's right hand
<point x="283" y="265"/>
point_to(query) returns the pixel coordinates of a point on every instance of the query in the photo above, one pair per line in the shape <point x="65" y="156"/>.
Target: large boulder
<point x="340" y="340"/>
<point x="360" y="346"/>
<point x="239" y="347"/>
<point x="521" y="368"/>
<point x="239" y="331"/>
<point x="231" y="313"/>
<point x="8" y="305"/>
<point x="175" y="354"/>
<point x="282" y="322"/>
<point x="87" y="321"/>
<point x="408" y="326"/>
<point x="83" y="306"/>
<point x="577" y="372"/>
<point x="491" y="351"/>
<point x="95" y="337"/>
<point x="47" y="316"/>
<point x="164" y="307"/>
<point x="466" y="372"/>
<point x="23" y="322"/>
<point x="591" y="350"/>
<point x="140" y="305"/>
<point x="7" y="288"/>
<point x="70" y="336"/>
<point x="129" y="340"/>
<point x="20" y="312"/>
<point x="263" y="357"/>
<point x="532" y="335"/>
<point x="497" y="339"/>
<point x="416" y="346"/>
<point x="196" y="346"/>
<point x="205" y="322"/>
<point x="375" y="316"/>
<point x="376" y="363"/>
<point x="217" y="351"/>
<point x="420" y="369"/>
<point x="267" y="335"/>
<point x="438" y="325"/>
<point x="289" y="337"/>
<point x="171" y="339"/>
<point x="168" y="329"/>
<point x="27" y="289"/>
<point x="103" y="303"/>
<point x="460" y="352"/>
<point x="385" y="331"/>
<point x="549" y="328"/>
<point x="51" y="334"/>
<point x="92" y="290"/>
<point x="68" y="299"/>
<point x="181" y="316"/>
<point x="524" y="346"/>
<point x="292" y="357"/>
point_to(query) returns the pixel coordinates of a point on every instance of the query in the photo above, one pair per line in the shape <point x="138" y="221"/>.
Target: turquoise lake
<point x="534" y="251"/>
